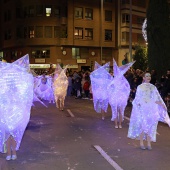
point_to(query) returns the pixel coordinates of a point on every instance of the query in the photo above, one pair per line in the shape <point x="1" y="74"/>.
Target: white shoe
<point x="8" y="158"/>
<point x="116" y="127"/>
<point x="120" y="126"/>
<point x="14" y="157"/>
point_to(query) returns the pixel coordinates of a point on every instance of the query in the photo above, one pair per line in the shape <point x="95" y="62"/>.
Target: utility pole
<point x="130" y="32"/>
<point x="101" y="32"/>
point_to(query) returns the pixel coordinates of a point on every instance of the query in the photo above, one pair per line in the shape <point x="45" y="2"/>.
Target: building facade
<point x="70" y="32"/>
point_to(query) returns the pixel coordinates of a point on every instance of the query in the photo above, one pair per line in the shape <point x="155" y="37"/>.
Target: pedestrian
<point x="148" y="108"/>
<point x="15" y="104"/>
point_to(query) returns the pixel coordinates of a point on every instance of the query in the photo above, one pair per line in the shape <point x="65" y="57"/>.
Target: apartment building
<point x="69" y="31"/>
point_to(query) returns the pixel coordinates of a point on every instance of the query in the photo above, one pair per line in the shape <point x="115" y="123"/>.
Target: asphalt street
<point x="78" y="139"/>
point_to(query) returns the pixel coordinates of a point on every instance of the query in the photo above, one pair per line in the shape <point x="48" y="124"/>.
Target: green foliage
<point x="158" y="35"/>
<point x="141" y="58"/>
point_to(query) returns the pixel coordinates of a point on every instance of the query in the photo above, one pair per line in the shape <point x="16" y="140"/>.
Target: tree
<point x="141" y="58"/>
<point x="158" y="35"/>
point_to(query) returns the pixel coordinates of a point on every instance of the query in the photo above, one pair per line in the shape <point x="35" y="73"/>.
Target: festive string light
<point x="144" y="31"/>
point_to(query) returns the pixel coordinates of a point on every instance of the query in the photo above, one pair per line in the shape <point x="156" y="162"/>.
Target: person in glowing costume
<point x="60" y="86"/>
<point x="16" y="97"/>
<point x="119" y="90"/>
<point x="100" y="78"/>
<point x="148" y="109"/>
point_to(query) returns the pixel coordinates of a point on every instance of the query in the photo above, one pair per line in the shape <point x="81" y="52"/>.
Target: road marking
<point x="108" y="158"/>
<point x="126" y="118"/>
<point x="71" y="114"/>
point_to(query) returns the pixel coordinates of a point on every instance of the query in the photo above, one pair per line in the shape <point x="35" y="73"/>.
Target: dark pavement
<point x="54" y="140"/>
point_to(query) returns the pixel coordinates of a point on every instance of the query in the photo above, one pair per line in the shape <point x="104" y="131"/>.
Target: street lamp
<point x="130" y="32"/>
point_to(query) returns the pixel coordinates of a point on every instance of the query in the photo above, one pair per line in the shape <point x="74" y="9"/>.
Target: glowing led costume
<point x="16" y="97"/>
<point x="60" y="86"/>
<point x="146" y="113"/>
<point x="119" y="90"/>
<point x="100" y="78"/>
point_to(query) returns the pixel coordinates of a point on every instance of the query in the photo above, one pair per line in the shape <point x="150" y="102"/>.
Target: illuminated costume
<point x="146" y="113"/>
<point x="15" y="101"/>
<point x="100" y="78"/>
<point x="60" y="86"/>
<point x="119" y="90"/>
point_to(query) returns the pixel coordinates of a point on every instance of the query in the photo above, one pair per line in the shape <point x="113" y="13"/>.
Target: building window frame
<point x="78" y="33"/>
<point x="78" y="12"/>
<point x="88" y="34"/>
<point x="108" y="15"/>
<point x="108" y="35"/>
<point x="89" y="13"/>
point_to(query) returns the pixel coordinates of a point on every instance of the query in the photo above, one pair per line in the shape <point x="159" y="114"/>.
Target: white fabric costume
<point x="119" y="90"/>
<point x="146" y="113"/>
<point x="100" y="78"/>
<point x="16" y="97"/>
<point x="60" y="86"/>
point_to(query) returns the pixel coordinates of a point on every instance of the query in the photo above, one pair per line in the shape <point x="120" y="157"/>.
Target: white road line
<point x="126" y="118"/>
<point x="108" y="158"/>
<point x="71" y="114"/>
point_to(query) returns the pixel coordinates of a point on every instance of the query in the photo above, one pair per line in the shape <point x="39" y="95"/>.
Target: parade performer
<point x="119" y="90"/>
<point x="16" y="97"/>
<point x="60" y="86"/>
<point x="100" y="78"/>
<point x="148" y="109"/>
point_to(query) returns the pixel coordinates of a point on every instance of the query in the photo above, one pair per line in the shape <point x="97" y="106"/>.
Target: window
<point x="107" y="54"/>
<point x="56" y="32"/>
<point x="19" y="32"/>
<point x="57" y="11"/>
<point x="78" y="13"/>
<point x="76" y="53"/>
<point x="18" y="13"/>
<point x="48" y="32"/>
<point x="31" y="31"/>
<point x="31" y="11"/>
<point x="88" y="33"/>
<point x="78" y="33"/>
<point x="39" y="32"/>
<point x="108" y="35"/>
<point x="125" y="18"/>
<point x="140" y="20"/>
<point x="8" y="35"/>
<point x="39" y="10"/>
<point x="25" y="32"/>
<point x="7" y="15"/>
<point x="89" y="13"/>
<point x="108" y="15"/>
<point x="41" y="53"/>
<point x="48" y="11"/>
<point x="125" y="36"/>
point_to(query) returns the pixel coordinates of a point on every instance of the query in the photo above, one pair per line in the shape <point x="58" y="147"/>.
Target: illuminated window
<point x="48" y="12"/>
<point x="78" y="33"/>
<point x="76" y="53"/>
<point x="41" y="53"/>
<point x="31" y="32"/>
